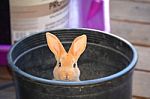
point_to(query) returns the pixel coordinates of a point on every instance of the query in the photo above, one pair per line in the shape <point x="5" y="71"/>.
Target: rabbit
<point x="66" y="68"/>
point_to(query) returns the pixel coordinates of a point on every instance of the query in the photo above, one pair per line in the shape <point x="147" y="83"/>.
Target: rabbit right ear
<point x="55" y="45"/>
<point x="78" y="46"/>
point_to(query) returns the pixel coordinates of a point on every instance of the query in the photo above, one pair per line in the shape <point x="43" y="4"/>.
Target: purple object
<point x="94" y="14"/>
<point x="3" y="54"/>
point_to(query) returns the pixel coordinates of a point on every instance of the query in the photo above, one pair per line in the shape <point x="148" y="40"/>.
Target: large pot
<point x="106" y="67"/>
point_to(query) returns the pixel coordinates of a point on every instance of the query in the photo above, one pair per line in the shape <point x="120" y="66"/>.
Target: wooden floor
<point x="130" y="19"/>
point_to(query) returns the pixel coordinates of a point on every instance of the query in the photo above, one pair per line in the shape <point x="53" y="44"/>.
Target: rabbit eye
<point x="59" y="64"/>
<point x="74" y="65"/>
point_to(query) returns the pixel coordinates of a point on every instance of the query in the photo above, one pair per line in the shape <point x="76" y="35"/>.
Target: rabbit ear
<point x="55" y="45"/>
<point x="78" y="46"/>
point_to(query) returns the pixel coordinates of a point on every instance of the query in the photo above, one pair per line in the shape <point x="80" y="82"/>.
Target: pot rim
<point x="85" y="82"/>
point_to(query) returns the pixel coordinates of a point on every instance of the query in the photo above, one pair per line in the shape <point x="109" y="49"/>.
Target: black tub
<point x="106" y="67"/>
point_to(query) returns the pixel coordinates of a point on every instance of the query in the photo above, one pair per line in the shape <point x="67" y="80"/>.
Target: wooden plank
<point x="133" y="32"/>
<point x="141" y="1"/>
<point x="134" y="97"/>
<point x="5" y="73"/>
<point x="139" y="98"/>
<point x="8" y="93"/>
<point x="130" y="11"/>
<point x="141" y="85"/>
<point x="144" y="58"/>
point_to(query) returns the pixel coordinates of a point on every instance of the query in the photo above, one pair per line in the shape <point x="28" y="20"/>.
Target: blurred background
<point x="129" y="19"/>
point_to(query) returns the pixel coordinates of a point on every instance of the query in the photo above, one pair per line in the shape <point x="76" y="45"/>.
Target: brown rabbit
<point x="66" y="68"/>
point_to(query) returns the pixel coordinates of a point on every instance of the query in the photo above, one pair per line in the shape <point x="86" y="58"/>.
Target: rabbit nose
<point x="67" y="77"/>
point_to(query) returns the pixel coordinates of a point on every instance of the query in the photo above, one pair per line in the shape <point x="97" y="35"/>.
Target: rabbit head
<point x="66" y="68"/>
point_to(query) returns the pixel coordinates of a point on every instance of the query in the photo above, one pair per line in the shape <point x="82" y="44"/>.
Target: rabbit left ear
<point x="78" y="46"/>
<point x="55" y="45"/>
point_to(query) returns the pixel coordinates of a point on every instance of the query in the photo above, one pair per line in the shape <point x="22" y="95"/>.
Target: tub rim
<point x="71" y="83"/>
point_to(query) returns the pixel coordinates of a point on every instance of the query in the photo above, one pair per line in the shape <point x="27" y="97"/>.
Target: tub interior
<point x="105" y="54"/>
<point x="96" y="62"/>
